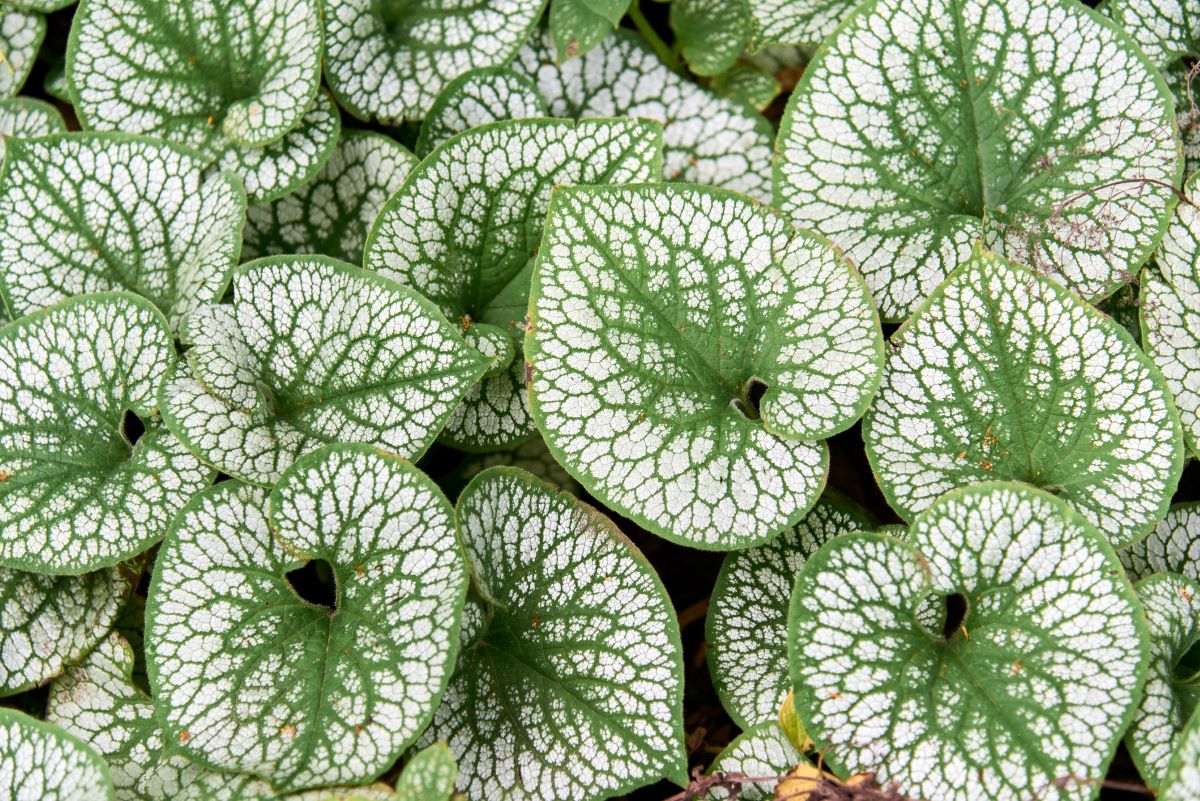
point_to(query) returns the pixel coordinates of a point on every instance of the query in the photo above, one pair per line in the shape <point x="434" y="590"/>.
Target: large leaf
<point x="796" y="21"/>
<point x="1172" y="687"/>
<point x="1182" y="782"/>
<point x="25" y="117"/>
<point x="571" y="687"/>
<point x="77" y="495"/>
<point x="476" y="98"/>
<point x="99" y="703"/>
<point x="466" y="226"/>
<point x="989" y="125"/>
<point x="304" y="694"/>
<point x="707" y="138"/>
<point x="1170" y="313"/>
<point x="1173" y="545"/>
<point x="53" y="621"/>
<point x="331" y="214"/>
<point x="21" y="35"/>
<point x="314" y="351"/>
<point x="40" y="762"/>
<point x="93" y="212"/>
<point x="1005" y="374"/>
<point x="1034" y="679"/>
<point x="760" y="752"/>
<point x="686" y="348"/>
<point x="576" y="26"/>
<point x="747" y="624"/>
<point x="388" y="59"/>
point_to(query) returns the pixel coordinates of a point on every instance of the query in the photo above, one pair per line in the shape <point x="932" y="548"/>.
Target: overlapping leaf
<point x="1005" y="374"/>
<point x="1173" y="545"/>
<point x="476" y="98"/>
<point x="21" y="34"/>
<point x="1037" y="681"/>
<point x="707" y="139"/>
<point x="759" y="752"/>
<point x="572" y="687"/>
<point x="40" y="762"/>
<point x="47" y="622"/>
<point x="94" y="212"/>
<point x="428" y="776"/>
<point x="314" y="351"/>
<point x="796" y="21"/>
<point x="388" y="60"/>
<point x="41" y="6"/>
<point x="1035" y="126"/>
<point x="306" y="695"/>
<point x="748" y="83"/>
<point x="710" y="34"/>
<point x="332" y="214"/>
<point x="1170" y="313"/>
<point x="532" y="456"/>
<point x="466" y="226"/>
<point x="1172" y="687"/>
<point x="1182" y="782"/>
<point x="77" y="495"/>
<point x="686" y="348"/>
<point x="26" y="117"/>
<point x="747" y="624"/>
<point x="576" y="26"/>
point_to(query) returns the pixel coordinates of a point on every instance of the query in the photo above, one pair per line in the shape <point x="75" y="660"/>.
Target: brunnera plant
<point x="598" y="400"/>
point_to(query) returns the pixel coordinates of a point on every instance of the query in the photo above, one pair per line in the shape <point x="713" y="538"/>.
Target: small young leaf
<point x="796" y="22"/>
<point x="986" y="123"/>
<point x="532" y="456"/>
<point x="94" y="212"/>
<point x="710" y="33"/>
<point x="211" y="786"/>
<point x="476" y="98"/>
<point x="206" y="74"/>
<point x="686" y="345"/>
<point x="707" y="139"/>
<point x="1036" y="680"/>
<point x="1003" y="374"/>
<point x="1172" y="689"/>
<point x="761" y="751"/>
<point x="314" y="351"/>
<point x="53" y="621"/>
<point x="99" y="703"/>
<point x="332" y="214"/>
<point x="749" y="84"/>
<point x="303" y="694"/>
<point x="1182" y="781"/>
<point x="388" y="60"/>
<point x="1170" y="306"/>
<point x="40" y="762"/>
<point x="747" y="625"/>
<point x="1173" y="545"/>
<point x="577" y="26"/>
<point x="77" y="495"/>
<point x="572" y="688"/>
<point x="428" y="776"/>
<point x="21" y="34"/>
<point x="466" y="226"/>
<point x="25" y="118"/>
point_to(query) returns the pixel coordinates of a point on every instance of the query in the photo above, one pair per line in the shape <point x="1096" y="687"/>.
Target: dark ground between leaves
<point x="688" y="574"/>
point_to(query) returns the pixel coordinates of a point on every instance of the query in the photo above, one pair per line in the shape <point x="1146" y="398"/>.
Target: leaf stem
<point x="655" y="41"/>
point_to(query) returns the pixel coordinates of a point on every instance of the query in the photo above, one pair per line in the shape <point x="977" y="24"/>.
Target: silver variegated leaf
<point x="40" y="762"/>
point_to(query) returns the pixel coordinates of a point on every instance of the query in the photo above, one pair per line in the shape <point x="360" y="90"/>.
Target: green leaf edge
<point x="449" y="93"/>
<point x="8" y="715"/>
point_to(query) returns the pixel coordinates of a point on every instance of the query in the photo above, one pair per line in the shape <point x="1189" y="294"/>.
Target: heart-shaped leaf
<point x="571" y="687"/>
<point x="1030" y="673"/>
<point x="332" y="214"/>
<point x="388" y="61"/>
<point x="77" y="494"/>
<point x="1173" y="545"/>
<point x="796" y="21"/>
<point x="21" y="34"/>
<point x="53" y="621"/>
<point x="686" y="346"/>
<point x="314" y="351"/>
<point x="1170" y="313"/>
<point x="1004" y="374"/>
<point x="464" y="230"/>
<point x="25" y="118"/>
<point x="306" y="694"/>
<point x="1172" y="687"/>
<point x="989" y="125"/>
<point x="532" y="456"/>
<point x="476" y="98"/>
<point x="747" y="624"/>
<point x="1182" y="782"/>
<point x="576" y="26"/>
<point x="759" y="752"/>
<point x="710" y="34"/>
<point x="99" y="703"/>
<point x="707" y="139"/>
<point x="43" y="763"/>
<point x="428" y="776"/>
<point x="93" y="212"/>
